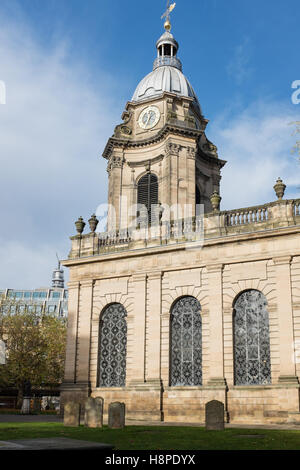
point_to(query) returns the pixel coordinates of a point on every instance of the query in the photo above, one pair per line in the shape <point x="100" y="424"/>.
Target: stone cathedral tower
<point x="164" y="323"/>
<point x="162" y="140"/>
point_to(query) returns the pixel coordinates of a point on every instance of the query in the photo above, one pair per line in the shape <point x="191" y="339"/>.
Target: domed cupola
<point x="167" y="74"/>
<point x="167" y="48"/>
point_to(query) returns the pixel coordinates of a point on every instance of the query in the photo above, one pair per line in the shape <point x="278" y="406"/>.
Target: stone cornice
<point x="160" y="136"/>
<point x="167" y="129"/>
<point x="215" y="268"/>
<point x="87" y="283"/>
<point x="282" y="260"/>
<point x="155" y="275"/>
<point x="73" y="285"/>
<point x="214" y="241"/>
<point x="139" y="277"/>
<point x="145" y="162"/>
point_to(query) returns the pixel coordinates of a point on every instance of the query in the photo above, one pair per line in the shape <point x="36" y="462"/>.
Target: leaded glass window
<point x="186" y="343"/>
<point x="252" y="363"/>
<point x="112" y="347"/>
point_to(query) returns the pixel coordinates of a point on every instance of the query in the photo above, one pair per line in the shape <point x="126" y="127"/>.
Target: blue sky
<point x="70" y="67"/>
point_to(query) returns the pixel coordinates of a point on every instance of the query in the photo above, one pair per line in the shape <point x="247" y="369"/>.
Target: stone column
<point x="71" y="348"/>
<point x="216" y="385"/>
<point x="191" y="177"/>
<point x="145" y="397"/>
<point x="285" y="319"/>
<point x="139" y="326"/>
<point x="76" y="386"/>
<point x="172" y="152"/>
<point x="114" y="169"/>
<point x="216" y="324"/>
<point x="153" y="327"/>
<point x="84" y="331"/>
<point x="288" y="393"/>
<point x="69" y="391"/>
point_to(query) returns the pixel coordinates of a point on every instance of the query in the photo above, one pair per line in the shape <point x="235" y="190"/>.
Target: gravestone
<point x="214" y="416"/>
<point x="93" y="413"/>
<point x="2" y="352"/>
<point x="25" y="410"/>
<point x="116" y="415"/>
<point x="36" y="405"/>
<point x="72" y="414"/>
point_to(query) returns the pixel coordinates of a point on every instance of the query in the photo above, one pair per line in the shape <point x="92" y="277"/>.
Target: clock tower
<point x="167" y="323"/>
<point x="159" y="154"/>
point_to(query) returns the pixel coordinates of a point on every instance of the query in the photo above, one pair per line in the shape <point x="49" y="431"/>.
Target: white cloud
<point x="239" y="66"/>
<point x="53" y="128"/>
<point x="257" y="145"/>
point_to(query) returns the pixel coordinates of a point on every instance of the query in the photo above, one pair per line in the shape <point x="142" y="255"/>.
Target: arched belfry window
<point x="186" y="343"/>
<point x="252" y="363"/>
<point x="112" y="347"/>
<point x="147" y="194"/>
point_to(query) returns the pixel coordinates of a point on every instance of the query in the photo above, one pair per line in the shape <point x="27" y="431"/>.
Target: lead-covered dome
<point x="167" y="74"/>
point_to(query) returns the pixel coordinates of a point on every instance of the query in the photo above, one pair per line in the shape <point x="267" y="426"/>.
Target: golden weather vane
<point x="166" y="15"/>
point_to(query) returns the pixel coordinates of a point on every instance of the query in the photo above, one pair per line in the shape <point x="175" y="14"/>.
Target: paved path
<point x="9" y="418"/>
<point x="54" y="443"/>
<point x="30" y="418"/>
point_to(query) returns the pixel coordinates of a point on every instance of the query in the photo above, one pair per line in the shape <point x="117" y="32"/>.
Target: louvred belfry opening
<point x="148" y="196"/>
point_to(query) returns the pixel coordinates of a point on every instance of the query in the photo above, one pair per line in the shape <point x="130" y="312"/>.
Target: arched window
<point x="186" y="343"/>
<point x="147" y="194"/>
<point x="112" y="347"/>
<point x="252" y="363"/>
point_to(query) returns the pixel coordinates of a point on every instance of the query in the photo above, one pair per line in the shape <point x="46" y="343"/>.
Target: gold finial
<point x="166" y="15"/>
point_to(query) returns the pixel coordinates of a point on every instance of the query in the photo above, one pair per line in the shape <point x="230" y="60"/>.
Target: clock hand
<point x="149" y="117"/>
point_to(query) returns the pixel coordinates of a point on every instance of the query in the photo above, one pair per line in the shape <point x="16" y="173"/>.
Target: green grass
<point x="160" y="438"/>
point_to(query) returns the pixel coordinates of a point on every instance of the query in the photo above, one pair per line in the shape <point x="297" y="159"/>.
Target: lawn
<point x="160" y="438"/>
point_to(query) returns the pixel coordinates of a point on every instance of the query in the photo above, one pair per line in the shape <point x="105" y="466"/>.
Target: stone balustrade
<point x="278" y="214"/>
<point x="249" y="215"/>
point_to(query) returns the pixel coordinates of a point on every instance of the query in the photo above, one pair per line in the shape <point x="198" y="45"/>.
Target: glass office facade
<point x="52" y="300"/>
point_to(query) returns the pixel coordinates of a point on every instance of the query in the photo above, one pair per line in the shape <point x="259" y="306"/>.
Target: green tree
<point x="35" y="344"/>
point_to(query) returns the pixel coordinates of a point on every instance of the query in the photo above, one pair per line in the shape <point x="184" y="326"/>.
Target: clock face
<point x="149" y="117"/>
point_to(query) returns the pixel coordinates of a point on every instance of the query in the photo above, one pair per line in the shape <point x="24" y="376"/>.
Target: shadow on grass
<point x="157" y="438"/>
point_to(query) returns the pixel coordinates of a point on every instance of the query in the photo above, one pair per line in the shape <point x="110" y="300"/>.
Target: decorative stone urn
<point x="279" y="188"/>
<point x="80" y="224"/>
<point x="93" y="222"/>
<point x="215" y="200"/>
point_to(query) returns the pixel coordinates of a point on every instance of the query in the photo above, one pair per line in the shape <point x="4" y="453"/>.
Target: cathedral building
<point x="179" y="303"/>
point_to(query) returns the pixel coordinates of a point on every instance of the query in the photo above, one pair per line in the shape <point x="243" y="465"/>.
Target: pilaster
<point x="285" y="318"/>
<point x="84" y="331"/>
<point x="71" y="348"/>
<point x="216" y="324"/>
<point x="139" y="327"/>
<point x="154" y="327"/>
<point x="114" y="169"/>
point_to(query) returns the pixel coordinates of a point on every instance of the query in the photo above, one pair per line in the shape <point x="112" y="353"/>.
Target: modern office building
<point x="52" y="299"/>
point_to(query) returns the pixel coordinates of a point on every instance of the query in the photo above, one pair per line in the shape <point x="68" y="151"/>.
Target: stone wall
<point x="147" y="282"/>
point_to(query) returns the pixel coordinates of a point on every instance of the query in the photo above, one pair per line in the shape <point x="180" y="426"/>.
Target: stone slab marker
<point x="72" y="414"/>
<point x="93" y="414"/>
<point x="36" y="405"/>
<point x="214" y="416"/>
<point x="116" y="415"/>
